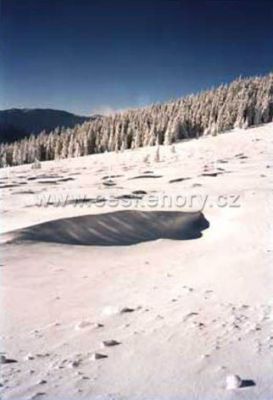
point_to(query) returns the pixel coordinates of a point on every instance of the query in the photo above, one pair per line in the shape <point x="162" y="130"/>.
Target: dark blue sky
<point x="86" y="55"/>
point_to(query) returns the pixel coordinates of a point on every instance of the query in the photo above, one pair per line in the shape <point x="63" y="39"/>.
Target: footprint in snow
<point x="29" y="357"/>
<point x="88" y="324"/>
<point x="188" y="289"/>
<point x="109" y="177"/>
<point x="109" y="183"/>
<point x="5" y="360"/>
<point x="110" y="343"/>
<point x="139" y="192"/>
<point x="212" y="174"/>
<point x="190" y="315"/>
<point x="98" y="356"/>
<point x="42" y="382"/>
<point x="208" y="294"/>
<point x="110" y="310"/>
<point x="196" y="185"/>
<point x="179" y="180"/>
<point x="145" y="176"/>
<point x="74" y="364"/>
<point x="37" y="395"/>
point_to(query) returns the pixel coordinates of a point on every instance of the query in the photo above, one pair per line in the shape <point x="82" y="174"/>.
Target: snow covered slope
<point x="172" y="317"/>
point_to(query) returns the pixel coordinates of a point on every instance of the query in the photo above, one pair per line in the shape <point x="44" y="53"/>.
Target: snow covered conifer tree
<point x="157" y="154"/>
<point x="167" y="136"/>
<point x="157" y="151"/>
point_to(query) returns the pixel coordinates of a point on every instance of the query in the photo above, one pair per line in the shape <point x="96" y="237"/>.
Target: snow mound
<point x="118" y="228"/>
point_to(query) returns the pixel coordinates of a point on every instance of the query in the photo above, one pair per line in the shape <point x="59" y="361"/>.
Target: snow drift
<point x="118" y="228"/>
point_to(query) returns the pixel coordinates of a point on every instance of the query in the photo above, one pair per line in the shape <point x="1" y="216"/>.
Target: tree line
<point x="243" y="103"/>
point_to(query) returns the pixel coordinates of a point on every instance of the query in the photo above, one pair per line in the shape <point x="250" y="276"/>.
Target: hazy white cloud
<point x="107" y="110"/>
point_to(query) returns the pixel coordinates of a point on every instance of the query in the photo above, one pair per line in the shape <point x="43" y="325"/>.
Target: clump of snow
<point x="36" y="165"/>
<point x="233" y="382"/>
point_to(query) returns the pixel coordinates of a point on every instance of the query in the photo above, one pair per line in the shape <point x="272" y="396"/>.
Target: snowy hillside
<point x="140" y="274"/>
<point x="241" y="104"/>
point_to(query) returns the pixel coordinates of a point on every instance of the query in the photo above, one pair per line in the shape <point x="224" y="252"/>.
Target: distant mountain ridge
<point x="16" y="123"/>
